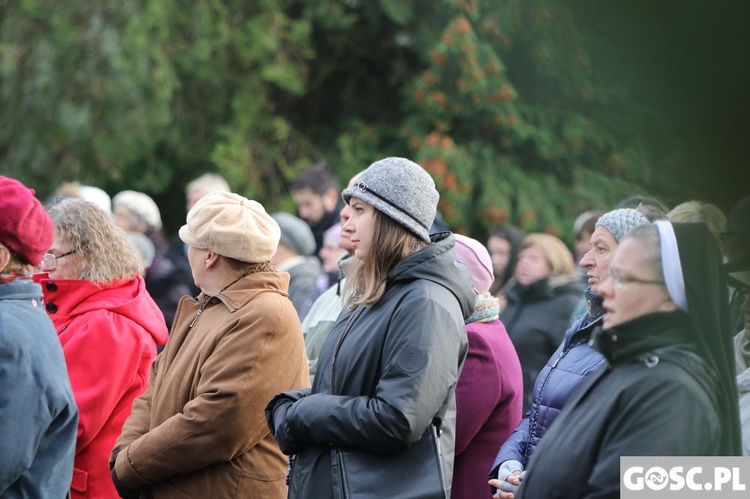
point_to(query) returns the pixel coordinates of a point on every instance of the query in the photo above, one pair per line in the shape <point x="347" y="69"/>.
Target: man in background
<point x="316" y="194"/>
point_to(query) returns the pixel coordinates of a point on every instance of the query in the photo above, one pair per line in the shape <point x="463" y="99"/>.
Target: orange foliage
<point x="449" y="181"/>
<point x="429" y="77"/>
<point x="495" y="214"/>
<point x="446" y="142"/>
<point x="446" y="208"/>
<point x="438" y="166"/>
<point x="492" y="68"/>
<point x="528" y="217"/>
<point x="438" y="57"/>
<point x="462" y="26"/>
<point x="439" y="98"/>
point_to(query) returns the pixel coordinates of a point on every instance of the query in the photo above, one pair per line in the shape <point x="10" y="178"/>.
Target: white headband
<point x="670" y="260"/>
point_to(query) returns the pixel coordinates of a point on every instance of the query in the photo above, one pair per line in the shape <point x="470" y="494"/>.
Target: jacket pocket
<point x="80" y="480"/>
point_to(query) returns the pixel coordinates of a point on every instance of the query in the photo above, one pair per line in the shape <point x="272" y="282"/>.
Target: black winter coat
<point x="536" y="318"/>
<point x="384" y="372"/>
<point x="655" y="398"/>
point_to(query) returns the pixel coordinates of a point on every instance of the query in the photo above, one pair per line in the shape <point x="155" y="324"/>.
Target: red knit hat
<point x="25" y="227"/>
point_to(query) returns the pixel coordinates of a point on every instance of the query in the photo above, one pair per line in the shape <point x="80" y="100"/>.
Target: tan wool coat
<point x="200" y="431"/>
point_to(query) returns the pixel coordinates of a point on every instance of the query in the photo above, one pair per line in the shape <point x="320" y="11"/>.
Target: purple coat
<point x="489" y="401"/>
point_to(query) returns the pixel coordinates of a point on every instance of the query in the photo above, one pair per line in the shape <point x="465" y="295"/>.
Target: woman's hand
<point x="508" y="487"/>
<point x="508" y="479"/>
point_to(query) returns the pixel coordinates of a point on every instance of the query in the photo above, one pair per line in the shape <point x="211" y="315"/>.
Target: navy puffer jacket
<point x="570" y="364"/>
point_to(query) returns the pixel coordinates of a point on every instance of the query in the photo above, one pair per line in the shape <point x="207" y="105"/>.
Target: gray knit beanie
<point x="402" y="190"/>
<point x="620" y="222"/>
<point x="295" y="233"/>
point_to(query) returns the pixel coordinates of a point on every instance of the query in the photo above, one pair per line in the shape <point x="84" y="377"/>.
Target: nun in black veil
<point x="668" y="388"/>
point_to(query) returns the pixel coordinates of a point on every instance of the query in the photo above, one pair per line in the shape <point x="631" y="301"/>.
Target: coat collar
<point x="246" y="289"/>
<point x="642" y="335"/>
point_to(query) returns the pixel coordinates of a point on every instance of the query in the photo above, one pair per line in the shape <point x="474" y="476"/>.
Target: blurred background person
<point x="88" y="192"/>
<point x="138" y="215"/>
<point x="504" y="243"/>
<point x="489" y="394"/>
<point x="131" y="210"/>
<point x="177" y="253"/>
<point x="737" y="249"/>
<point x="108" y="325"/>
<point x="652" y="208"/>
<point x="737" y="267"/>
<point x="742" y="361"/>
<point x="200" y="429"/>
<point x="574" y="359"/>
<point x="698" y="211"/>
<point x="329" y="254"/>
<point x="316" y="194"/>
<point x="295" y="254"/>
<point x="540" y="303"/>
<point x="669" y="389"/>
<point x="38" y="414"/>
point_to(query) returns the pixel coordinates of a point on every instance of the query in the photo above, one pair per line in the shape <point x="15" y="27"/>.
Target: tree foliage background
<point x="527" y="111"/>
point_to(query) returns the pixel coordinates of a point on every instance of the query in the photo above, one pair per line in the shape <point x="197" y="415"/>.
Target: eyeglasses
<point x="621" y="279"/>
<point x="49" y="260"/>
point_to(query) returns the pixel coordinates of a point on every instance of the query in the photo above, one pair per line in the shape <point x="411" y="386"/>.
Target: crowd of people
<point x="357" y="348"/>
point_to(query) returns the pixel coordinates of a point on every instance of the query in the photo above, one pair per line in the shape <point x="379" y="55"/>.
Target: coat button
<point x="51" y="308"/>
<point x="51" y="286"/>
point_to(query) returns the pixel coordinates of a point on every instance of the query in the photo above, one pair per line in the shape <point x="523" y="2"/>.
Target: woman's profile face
<point x="532" y="266"/>
<point x="500" y="249"/>
<point x="361" y="226"/>
<point x="64" y="263"/>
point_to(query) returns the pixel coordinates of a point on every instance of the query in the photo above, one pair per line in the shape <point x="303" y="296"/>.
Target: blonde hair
<point x="391" y="243"/>
<point x="698" y="211"/>
<point x="104" y="250"/>
<point x="15" y="262"/>
<point x="558" y="256"/>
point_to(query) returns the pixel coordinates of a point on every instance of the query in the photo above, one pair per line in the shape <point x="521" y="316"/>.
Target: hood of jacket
<point x="437" y="263"/>
<point x="66" y="299"/>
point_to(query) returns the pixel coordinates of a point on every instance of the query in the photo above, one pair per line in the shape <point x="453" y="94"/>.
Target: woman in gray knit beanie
<point x="387" y="373"/>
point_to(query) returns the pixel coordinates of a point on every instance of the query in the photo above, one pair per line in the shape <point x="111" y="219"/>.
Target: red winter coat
<point x="109" y="337"/>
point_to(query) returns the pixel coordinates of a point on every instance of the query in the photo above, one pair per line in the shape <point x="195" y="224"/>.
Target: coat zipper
<point x="344" y="334"/>
<point x="200" y="311"/>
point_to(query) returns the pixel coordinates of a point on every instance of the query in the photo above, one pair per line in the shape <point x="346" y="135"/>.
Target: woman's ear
<point x="4" y="257"/>
<point x="668" y="306"/>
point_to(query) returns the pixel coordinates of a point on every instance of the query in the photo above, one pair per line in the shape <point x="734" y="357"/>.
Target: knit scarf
<point x="486" y="308"/>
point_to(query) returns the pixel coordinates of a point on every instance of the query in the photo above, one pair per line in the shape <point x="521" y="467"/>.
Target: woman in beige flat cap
<point x="200" y="430"/>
